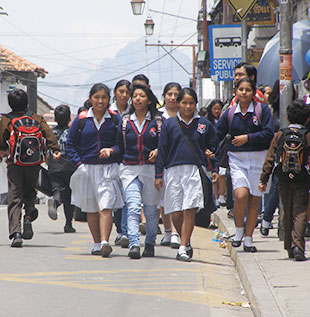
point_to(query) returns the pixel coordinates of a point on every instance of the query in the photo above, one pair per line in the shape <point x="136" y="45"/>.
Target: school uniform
<point x="183" y="184"/>
<point x="95" y="184"/>
<point x="137" y="175"/>
<point x="294" y="196"/>
<point x="246" y="161"/>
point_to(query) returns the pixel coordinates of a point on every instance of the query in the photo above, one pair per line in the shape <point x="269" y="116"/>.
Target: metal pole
<point x="217" y="89"/>
<point x="285" y="70"/>
<point x="244" y="43"/>
<point x="200" y="101"/>
<point x="194" y="67"/>
<point x="227" y="19"/>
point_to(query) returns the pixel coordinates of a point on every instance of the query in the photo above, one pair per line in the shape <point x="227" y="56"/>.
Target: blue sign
<point x="225" y="50"/>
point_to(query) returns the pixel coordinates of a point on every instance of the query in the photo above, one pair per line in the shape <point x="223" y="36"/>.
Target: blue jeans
<point x="120" y="220"/>
<point x="124" y="221"/>
<point x="271" y="200"/>
<point x="133" y="199"/>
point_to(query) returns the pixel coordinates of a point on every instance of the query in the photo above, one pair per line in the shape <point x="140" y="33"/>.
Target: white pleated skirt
<point x="97" y="187"/>
<point x="183" y="188"/>
<point x="245" y="170"/>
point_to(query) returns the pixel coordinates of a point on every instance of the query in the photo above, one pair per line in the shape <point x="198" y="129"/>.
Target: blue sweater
<point x="138" y="145"/>
<point x="91" y="142"/>
<point x="173" y="149"/>
<point x="260" y="132"/>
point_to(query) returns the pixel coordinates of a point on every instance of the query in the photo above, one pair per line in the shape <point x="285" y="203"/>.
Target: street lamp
<point x="2" y="12"/>
<point x="137" y="6"/>
<point x="149" y="26"/>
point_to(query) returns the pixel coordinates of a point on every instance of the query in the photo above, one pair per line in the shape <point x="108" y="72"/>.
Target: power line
<point x="43" y="44"/>
<point x="105" y="81"/>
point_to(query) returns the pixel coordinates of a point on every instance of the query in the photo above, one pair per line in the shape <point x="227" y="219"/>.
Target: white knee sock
<point x="97" y="246"/>
<point x="265" y="224"/>
<point x="182" y="249"/>
<point x="239" y="233"/>
<point x="248" y="242"/>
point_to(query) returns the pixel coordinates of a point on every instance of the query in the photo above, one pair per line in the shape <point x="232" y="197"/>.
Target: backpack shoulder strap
<point x="81" y="124"/>
<point x="114" y="116"/>
<point x="159" y="123"/>
<point x="230" y="115"/>
<point x="258" y="110"/>
<point x="125" y="120"/>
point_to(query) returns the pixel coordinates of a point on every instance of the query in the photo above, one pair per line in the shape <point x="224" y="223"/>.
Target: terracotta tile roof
<point x="10" y="61"/>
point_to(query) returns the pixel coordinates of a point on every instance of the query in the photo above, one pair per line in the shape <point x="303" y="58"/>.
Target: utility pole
<point x="227" y="19"/>
<point x="285" y="69"/>
<point x="244" y="41"/>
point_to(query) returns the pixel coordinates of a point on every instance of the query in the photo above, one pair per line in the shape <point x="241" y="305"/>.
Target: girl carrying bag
<point x="207" y="185"/>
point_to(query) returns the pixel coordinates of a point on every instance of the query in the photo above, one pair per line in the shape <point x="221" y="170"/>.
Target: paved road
<point x="55" y="275"/>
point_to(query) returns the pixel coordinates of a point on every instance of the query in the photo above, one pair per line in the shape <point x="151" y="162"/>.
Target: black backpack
<point x="292" y="155"/>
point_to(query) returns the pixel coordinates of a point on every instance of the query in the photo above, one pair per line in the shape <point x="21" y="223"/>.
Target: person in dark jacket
<point x="251" y="128"/>
<point x="60" y="171"/>
<point x="96" y="187"/>
<point x="176" y="164"/>
<point x="137" y="141"/>
<point x="22" y="180"/>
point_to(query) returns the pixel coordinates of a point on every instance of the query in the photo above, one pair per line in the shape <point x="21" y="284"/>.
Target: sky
<point x="77" y="35"/>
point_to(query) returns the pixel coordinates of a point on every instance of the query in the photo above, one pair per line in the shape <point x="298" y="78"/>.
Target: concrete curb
<point x="250" y="273"/>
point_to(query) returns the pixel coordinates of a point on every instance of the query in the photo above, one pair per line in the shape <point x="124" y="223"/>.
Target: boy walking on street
<point x="290" y="150"/>
<point x="25" y="136"/>
<point x="60" y="171"/>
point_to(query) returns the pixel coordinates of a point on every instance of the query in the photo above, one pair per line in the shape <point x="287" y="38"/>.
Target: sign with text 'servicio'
<point x="225" y="50"/>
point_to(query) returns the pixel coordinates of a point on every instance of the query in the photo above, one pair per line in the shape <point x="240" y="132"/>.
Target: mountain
<point x="129" y="61"/>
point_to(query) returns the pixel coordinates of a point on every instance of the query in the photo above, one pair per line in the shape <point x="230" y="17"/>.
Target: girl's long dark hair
<point x="210" y="116"/>
<point x="152" y="98"/>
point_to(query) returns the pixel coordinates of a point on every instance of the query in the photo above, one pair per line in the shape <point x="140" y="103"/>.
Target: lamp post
<point x="2" y="12"/>
<point x="149" y="26"/>
<point x="137" y="6"/>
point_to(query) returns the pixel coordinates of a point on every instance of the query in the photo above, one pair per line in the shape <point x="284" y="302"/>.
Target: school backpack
<point x="292" y="155"/>
<point x="27" y="145"/>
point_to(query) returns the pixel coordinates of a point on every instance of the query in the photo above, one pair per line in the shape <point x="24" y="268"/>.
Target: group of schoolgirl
<point x="254" y="148"/>
<point x="116" y="162"/>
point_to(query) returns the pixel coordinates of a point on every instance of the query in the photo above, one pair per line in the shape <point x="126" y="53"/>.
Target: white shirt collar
<point x="90" y="114"/>
<point x="164" y="111"/>
<point x="250" y="108"/>
<point x="139" y="126"/>
<point x="195" y="116"/>
<point x="113" y="107"/>
<point x="296" y="126"/>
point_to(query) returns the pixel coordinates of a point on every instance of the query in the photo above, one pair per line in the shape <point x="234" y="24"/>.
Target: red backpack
<point x="27" y="146"/>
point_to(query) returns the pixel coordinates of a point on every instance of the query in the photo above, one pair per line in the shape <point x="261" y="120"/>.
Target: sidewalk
<point x="274" y="284"/>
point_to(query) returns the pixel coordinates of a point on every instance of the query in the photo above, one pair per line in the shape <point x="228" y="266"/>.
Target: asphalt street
<point x="55" y="275"/>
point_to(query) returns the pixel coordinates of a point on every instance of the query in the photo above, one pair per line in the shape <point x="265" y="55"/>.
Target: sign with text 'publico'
<point x="225" y="51"/>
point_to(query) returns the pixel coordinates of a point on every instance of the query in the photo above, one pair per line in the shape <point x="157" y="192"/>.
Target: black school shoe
<point x="290" y="253"/>
<point x="251" y="249"/>
<point x="69" y="229"/>
<point x="17" y="240"/>
<point x="149" y="251"/>
<point x="299" y="254"/>
<point x="134" y="252"/>
<point x="27" y="231"/>
<point x="264" y="231"/>
<point x="307" y="233"/>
